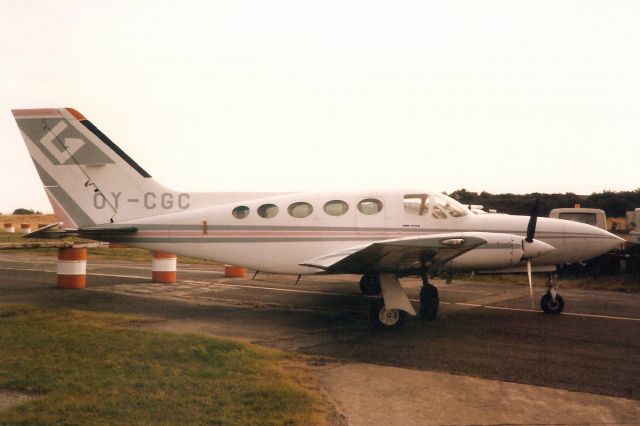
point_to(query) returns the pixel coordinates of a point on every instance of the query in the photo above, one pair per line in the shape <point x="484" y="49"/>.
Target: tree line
<point x="614" y="203"/>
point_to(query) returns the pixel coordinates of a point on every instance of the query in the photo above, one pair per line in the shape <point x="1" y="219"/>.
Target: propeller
<point x="530" y="281"/>
<point x="531" y="230"/>
<point x="533" y="219"/>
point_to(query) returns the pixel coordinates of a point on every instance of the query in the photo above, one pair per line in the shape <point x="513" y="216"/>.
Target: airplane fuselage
<point x="290" y="229"/>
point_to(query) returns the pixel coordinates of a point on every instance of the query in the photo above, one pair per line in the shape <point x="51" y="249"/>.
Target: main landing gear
<point x="552" y="302"/>
<point x="392" y="310"/>
<point x="386" y="319"/>
<point x="370" y="284"/>
<point x="429" y="300"/>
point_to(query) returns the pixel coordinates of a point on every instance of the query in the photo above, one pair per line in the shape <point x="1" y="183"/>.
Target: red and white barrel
<point x="163" y="267"/>
<point x="231" y="271"/>
<point x="25" y="228"/>
<point x="8" y="227"/>
<point x="72" y="267"/>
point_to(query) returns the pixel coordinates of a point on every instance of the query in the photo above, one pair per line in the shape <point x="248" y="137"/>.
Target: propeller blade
<point x="531" y="228"/>
<point x="530" y="281"/>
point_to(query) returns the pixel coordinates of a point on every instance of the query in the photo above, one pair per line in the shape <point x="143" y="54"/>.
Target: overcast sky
<point x="498" y="96"/>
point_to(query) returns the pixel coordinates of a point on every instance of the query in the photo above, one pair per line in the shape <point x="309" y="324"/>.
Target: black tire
<point x="429" y="302"/>
<point x="370" y="284"/>
<point x="549" y="307"/>
<point x="381" y="319"/>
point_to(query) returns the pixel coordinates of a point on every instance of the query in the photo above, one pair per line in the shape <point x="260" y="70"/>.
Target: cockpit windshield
<point x="449" y="205"/>
<point x="439" y="206"/>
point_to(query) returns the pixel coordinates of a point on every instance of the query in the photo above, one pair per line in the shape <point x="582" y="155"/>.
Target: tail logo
<point x="64" y="143"/>
<point x="52" y="143"/>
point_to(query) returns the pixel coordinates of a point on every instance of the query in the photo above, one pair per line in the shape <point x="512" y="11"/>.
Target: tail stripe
<point x="64" y="200"/>
<point x="93" y="129"/>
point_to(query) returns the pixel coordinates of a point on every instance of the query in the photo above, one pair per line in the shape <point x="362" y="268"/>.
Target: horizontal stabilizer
<point x="45" y="230"/>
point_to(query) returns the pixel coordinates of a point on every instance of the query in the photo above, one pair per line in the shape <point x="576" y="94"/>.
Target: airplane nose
<point x="613" y="241"/>
<point x="535" y="248"/>
<point x="598" y="240"/>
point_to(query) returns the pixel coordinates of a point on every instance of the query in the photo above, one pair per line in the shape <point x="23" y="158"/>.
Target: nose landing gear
<point x="552" y="302"/>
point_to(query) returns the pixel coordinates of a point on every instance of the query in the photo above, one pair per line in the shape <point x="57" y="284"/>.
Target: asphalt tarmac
<point x="483" y="331"/>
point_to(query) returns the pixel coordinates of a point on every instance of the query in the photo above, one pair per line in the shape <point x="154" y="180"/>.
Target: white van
<point x="595" y="217"/>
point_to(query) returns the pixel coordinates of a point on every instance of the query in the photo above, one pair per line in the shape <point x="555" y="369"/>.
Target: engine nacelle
<point x="501" y="251"/>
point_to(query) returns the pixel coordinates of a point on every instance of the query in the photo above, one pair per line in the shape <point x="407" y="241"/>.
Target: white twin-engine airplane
<point x="99" y="192"/>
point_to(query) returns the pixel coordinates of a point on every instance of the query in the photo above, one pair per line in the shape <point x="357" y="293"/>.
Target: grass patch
<point x="98" y="368"/>
<point x="628" y="283"/>
<point x="33" y="219"/>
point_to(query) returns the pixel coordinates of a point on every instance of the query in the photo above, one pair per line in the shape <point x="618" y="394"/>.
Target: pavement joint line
<point x="574" y="314"/>
<point x="215" y="283"/>
<point x="286" y="290"/>
<point x="123" y="265"/>
<point x="89" y="273"/>
<point x="147" y="268"/>
<point x="472" y="305"/>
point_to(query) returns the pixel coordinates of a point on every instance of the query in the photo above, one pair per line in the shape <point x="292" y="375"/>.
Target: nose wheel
<point x="552" y="302"/>
<point x="550" y="306"/>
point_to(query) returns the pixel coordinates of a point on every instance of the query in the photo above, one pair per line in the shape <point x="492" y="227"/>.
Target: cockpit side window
<point x="416" y="204"/>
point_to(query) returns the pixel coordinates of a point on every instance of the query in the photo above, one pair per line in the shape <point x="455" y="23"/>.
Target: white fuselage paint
<point x="279" y="244"/>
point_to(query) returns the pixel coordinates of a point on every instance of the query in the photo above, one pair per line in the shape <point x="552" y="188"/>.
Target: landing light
<point x="453" y="242"/>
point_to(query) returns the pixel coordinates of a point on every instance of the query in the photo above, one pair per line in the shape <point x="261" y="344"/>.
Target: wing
<point x="402" y="254"/>
<point x="91" y="233"/>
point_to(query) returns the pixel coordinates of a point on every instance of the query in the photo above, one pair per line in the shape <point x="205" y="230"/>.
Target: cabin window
<point x="240" y="212"/>
<point x="336" y="207"/>
<point x="268" y="211"/>
<point x="300" y="210"/>
<point x="416" y="204"/>
<point x="370" y="206"/>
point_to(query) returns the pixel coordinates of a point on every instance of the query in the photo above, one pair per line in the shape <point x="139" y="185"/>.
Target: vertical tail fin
<point x="88" y="179"/>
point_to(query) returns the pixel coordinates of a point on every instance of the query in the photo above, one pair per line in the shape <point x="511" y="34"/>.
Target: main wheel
<point x="549" y="306"/>
<point x="370" y="284"/>
<point x="429" y="302"/>
<point x="387" y="319"/>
